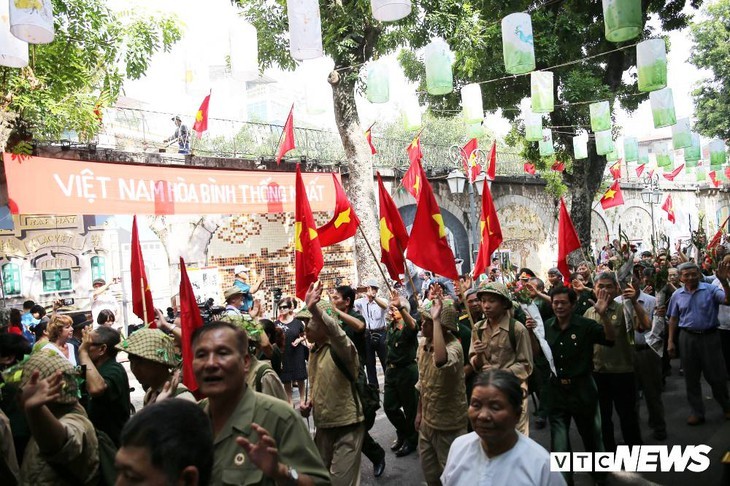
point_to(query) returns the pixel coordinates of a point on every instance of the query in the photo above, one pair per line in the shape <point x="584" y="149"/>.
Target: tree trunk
<point x="360" y="188"/>
<point x="587" y="176"/>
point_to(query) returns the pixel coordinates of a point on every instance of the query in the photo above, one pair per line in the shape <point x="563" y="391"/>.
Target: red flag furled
<point x="414" y="149"/>
<point x="308" y="259"/>
<point x="344" y="222"/>
<point x="718" y="236"/>
<point x="393" y="234"/>
<point x="674" y="173"/>
<point x="142" y="304"/>
<point x="640" y="170"/>
<point x="727" y="172"/>
<point x="651" y="173"/>
<point x="427" y="245"/>
<point x="568" y="241"/>
<point x="668" y="206"/>
<point x="613" y="196"/>
<point x="490" y="231"/>
<point x="713" y="178"/>
<point x="615" y="170"/>
<point x="492" y="162"/>
<point x="190" y="320"/>
<point x="287" y="137"/>
<point x="369" y="136"/>
<point x="469" y="159"/>
<point x="414" y="178"/>
<point x="558" y="166"/>
<point x="201" y="117"/>
<point x="529" y="168"/>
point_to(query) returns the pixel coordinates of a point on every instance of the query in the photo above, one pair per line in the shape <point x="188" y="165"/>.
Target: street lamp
<point x="651" y="195"/>
<point x="457" y="180"/>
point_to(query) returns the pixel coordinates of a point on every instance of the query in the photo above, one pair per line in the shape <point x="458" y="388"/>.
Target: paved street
<point x="715" y="432"/>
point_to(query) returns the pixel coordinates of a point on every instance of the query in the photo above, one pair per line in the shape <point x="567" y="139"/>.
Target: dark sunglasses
<point x="284" y="307"/>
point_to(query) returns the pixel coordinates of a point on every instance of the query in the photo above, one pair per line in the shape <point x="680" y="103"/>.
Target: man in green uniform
<point x="401" y="374"/>
<point x="572" y="394"/>
<point x="258" y="439"/>
<point x="473" y="306"/>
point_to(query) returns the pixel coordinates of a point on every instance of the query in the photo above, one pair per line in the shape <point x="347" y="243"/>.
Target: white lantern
<point x="545" y="145"/>
<point x="471" y="102"/>
<point x="662" y="108"/>
<point x="411" y="114"/>
<point x="651" y="64"/>
<point x="390" y="10"/>
<point x="378" y="88"/>
<point x="517" y="43"/>
<point x="541" y="86"/>
<point x="439" y="75"/>
<point x="13" y="51"/>
<point x="317" y="91"/>
<point x="32" y="21"/>
<point x="580" y="147"/>
<point x="305" y="29"/>
<point x="244" y="50"/>
<point x="681" y="134"/>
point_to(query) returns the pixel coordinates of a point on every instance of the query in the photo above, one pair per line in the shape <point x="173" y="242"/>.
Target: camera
<point x="65" y="302"/>
<point x="210" y="312"/>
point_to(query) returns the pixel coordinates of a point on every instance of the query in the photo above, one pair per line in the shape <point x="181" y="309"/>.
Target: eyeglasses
<point x="284" y="307"/>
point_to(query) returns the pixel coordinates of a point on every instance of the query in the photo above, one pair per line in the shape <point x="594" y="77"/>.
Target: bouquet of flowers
<point x="519" y="292"/>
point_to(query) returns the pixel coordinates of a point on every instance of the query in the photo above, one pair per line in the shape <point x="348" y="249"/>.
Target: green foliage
<point x="436" y="131"/>
<point x="711" y="51"/>
<point x="95" y="50"/>
<point x="555" y="185"/>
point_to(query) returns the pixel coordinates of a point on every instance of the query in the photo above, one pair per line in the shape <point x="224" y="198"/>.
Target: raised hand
<point x="578" y="285"/>
<point x="263" y="453"/>
<point x="86" y="339"/>
<point x="313" y="295"/>
<point x="169" y="387"/>
<point x="630" y="293"/>
<point x="723" y="270"/>
<point x="37" y="392"/>
<point x="601" y="304"/>
<point x="436" y="305"/>
<point x="531" y="289"/>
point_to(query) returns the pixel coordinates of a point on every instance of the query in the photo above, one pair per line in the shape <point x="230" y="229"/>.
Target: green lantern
<point x="580" y="147"/>
<point x="546" y="144"/>
<point x="662" y="108"/>
<point x="663" y="155"/>
<point x="651" y="64"/>
<point x="600" y="116"/>
<point x="541" y="90"/>
<point x="631" y="149"/>
<point x="623" y="19"/>
<point x="604" y="142"/>
<point x="612" y="156"/>
<point x="411" y="114"/>
<point x="718" y="156"/>
<point x="471" y="103"/>
<point x="439" y="77"/>
<point x="517" y="43"/>
<point x="475" y="130"/>
<point x="700" y="174"/>
<point x="693" y="153"/>
<point x="681" y="135"/>
<point x="643" y="155"/>
<point x="378" y="87"/>
<point x="533" y="122"/>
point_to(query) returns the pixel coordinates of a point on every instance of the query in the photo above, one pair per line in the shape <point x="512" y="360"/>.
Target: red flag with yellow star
<point x="201" y="117"/>
<point x="344" y="222"/>
<point x="308" y="259"/>
<point x="190" y="320"/>
<point x="718" y="236"/>
<point x="490" y="230"/>
<point x="142" y="304"/>
<point x="492" y="162"/>
<point x="674" y="173"/>
<point x="713" y="177"/>
<point x="369" y="136"/>
<point x="414" y="178"/>
<point x="287" y="137"/>
<point x="668" y="206"/>
<point x="615" y="170"/>
<point x="568" y="241"/>
<point x="613" y="197"/>
<point x="393" y="234"/>
<point x="427" y="244"/>
<point x="469" y="159"/>
<point x="414" y="150"/>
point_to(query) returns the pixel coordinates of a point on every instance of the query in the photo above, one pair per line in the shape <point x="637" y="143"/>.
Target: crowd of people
<point x="460" y="360"/>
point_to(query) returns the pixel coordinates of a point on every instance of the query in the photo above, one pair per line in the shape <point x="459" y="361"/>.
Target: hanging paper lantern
<point x="471" y="102"/>
<point x="580" y="147"/>
<point x="662" y="108"/>
<point x="13" y="51"/>
<point x="439" y="78"/>
<point x="32" y="21"/>
<point x="533" y="122"/>
<point x="600" y="116"/>
<point x="411" y="114"/>
<point x="378" y="88"/>
<point x="651" y="63"/>
<point x="681" y="135"/>
<point x="604" y="142"/>
<point x="541" y="90"/>
<point x="663" y="154"/>
<point x="631" y="149"/>
<point x="517" y="43"/>
<point x="546" y="144"/>
<point x="622" y="19"/>
<point x="612" y="156"/>
<point x="693" y="153"/>
<point x="475" y="130"/>
<point x="317" y="91"/>
<point x="718" y="156"/>
<point x="305" y="29"/>
<point x="644" y="155"/>
<point x="700" y="174"/>
<point x="244" y="51"/>
<point x="390" y="10"/>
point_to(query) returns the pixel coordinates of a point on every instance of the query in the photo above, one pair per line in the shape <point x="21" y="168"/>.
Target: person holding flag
<point x="181" y="136"/>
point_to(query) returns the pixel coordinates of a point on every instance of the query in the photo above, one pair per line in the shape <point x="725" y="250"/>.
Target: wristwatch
<point x="293" y="476"/>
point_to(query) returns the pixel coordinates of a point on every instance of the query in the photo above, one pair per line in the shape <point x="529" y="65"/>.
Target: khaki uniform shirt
<point x="270" y="383"/>
<point x="295" y="445"/>
<point x="77" y="460"/>
<point x="620" y="357"/>
<point x="442" y="388"/>
<point x="499" y="353"/>
<point x="181" y="392"/>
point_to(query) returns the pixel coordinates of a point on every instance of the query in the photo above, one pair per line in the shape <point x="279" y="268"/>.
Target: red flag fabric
<point x="308" y="259"/>
<point x="414" y="150"/>
<point x="190" y="320"/>
<point x="674" y="173"/>
<point x="469" y="159"/>
<point x="490" y="231"/>
<point x="615" y="170"/>
<point x="613" y="196"/>
<point x="640" y="170"/>
<point x="492" y="162"/>
<point x="201" y="117"/>
<point x="344" y="222"/>
<point x="393" y="234"/>
<point x="568" y="241"/>
<point x="718" y="236"/>
<point x="414" y="178"/>
<point x="668" y="206"/>
<point x="142" y="304"/>
<point x="369" y="136"/>
<point x="558" y="166"/>
<point x="727" y="172"/>
<point x="529" y="168"/>
<point x="287" y="138"/>
<point x="713" y="178"/>
<point x="651" y="173"/>
<point x="427" y="244"/>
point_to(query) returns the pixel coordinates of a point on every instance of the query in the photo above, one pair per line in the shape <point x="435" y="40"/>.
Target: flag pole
<point x="377" y="264"/>
<point x="407" y="272"/>
<point x="144" y="302"/>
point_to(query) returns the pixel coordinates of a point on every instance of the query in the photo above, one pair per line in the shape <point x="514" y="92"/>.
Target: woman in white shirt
<point x="495" y="453"/>
<point x="60" y="330"/>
